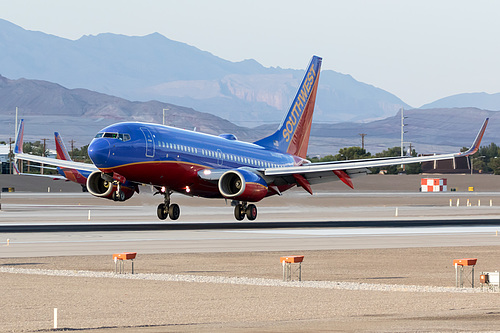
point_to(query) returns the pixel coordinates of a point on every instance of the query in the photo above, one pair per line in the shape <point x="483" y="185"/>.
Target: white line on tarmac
<point x="372" y="231"/>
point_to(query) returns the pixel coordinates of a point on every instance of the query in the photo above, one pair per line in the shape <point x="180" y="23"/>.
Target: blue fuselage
<point x="171" y="157"/>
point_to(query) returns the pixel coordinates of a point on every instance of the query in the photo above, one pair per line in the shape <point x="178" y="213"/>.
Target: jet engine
<point x="242" y="185"/>
<point x="103" y="186"/>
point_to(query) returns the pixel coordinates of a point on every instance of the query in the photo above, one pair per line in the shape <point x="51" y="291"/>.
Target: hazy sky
<point x="418" y="50"/>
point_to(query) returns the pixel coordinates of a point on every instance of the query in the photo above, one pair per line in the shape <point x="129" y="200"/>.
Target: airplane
<point x="198" y="164"/>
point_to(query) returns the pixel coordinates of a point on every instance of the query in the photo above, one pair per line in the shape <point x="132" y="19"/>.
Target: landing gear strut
<point x="242" y="209"/>
<point x="118" y="195"/>
<point x="167" y="209"/>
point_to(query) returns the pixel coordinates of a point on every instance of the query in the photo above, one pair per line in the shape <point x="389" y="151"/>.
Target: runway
<point x="166" y="226"/>
<point x="53" y="224"/>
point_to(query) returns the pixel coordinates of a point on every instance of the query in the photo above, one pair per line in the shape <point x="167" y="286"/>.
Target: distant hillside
<point x="429" y="131"/>
<point x="477" y="100"/>
<point x="154" y="67"/>
<point x="79" y="113"/>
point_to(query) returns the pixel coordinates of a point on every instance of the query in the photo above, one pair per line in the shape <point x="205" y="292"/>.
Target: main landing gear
<point x="167" y="209"/>
<point x="242" y="209"/>
<point x="118" y="195"/>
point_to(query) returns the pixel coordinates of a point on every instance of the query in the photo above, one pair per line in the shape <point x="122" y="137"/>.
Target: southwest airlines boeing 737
<point x="195" y="164"/>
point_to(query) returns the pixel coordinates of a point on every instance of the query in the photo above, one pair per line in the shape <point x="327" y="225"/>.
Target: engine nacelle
<point x="242" y="185"/>
<point x="102" y="188"/>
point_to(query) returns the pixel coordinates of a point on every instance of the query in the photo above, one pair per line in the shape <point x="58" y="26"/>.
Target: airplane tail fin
<point x="62" y="152"/>
<point x="292" y="136"/>
<point x="18" y="146"/>
<point x="15" y="169"/>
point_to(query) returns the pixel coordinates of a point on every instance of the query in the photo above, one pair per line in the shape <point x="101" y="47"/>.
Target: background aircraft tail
<point x="292" y="136"/>
<point x="18" y="146"/>
<point x="62" y="152"/>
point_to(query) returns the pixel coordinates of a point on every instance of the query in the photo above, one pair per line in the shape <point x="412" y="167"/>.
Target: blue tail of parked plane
<point x="292" y="136"/>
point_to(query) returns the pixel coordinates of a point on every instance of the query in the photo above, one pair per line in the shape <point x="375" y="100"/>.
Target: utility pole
<point x="15" y="129"/>
<point x="402" y="133"/>
<point x="43" y="153"/>
<point x="362" y="140"/>
<point x="10" y="155"/>
<point x="72" y="142"/>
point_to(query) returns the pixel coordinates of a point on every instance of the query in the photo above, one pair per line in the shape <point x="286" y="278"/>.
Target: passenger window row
<point x="219" y="155"/>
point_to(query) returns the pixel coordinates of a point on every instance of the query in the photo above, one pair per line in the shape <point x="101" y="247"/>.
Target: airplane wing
<point x="56" y="162"/>
<point x="315" y="173"/>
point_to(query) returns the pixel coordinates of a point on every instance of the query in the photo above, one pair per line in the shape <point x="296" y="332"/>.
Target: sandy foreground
<point x="106" y="304"/>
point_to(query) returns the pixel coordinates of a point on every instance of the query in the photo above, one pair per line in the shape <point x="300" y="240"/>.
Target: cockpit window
<point x="119" y="136"/>
<point x="111" y="135"/>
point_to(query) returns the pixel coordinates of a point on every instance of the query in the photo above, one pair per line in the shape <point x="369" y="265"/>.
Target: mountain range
<point x="80" y="113"/>
<point x="154" y="67"/>
<point x="480" y="100"/>
<point x="70" y="87"/>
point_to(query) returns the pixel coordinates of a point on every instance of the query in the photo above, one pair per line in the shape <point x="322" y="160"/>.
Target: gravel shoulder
<point x="209" y="302"/>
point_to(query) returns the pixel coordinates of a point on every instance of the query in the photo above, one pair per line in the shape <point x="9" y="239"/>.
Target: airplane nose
<point x="99" y="152"/>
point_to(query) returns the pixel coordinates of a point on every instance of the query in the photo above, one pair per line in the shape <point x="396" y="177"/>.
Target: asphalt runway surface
<point x="54" y="224"/>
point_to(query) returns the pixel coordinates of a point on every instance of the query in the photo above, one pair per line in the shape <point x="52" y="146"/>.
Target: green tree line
<point x="353" y="153"/>
<point x="485" y="160"/>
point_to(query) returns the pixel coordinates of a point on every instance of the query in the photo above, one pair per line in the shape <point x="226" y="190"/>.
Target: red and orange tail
<point x="292" y="136"/>
<point x="62" y="152"/>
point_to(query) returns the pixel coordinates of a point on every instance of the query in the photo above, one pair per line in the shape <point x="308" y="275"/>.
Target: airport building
<point x="4" y="158"/>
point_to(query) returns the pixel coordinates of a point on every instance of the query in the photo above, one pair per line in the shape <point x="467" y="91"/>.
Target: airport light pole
<point x="164" y="115"/>
<point x="362" y="140"/>
<point x="402" y="133"/>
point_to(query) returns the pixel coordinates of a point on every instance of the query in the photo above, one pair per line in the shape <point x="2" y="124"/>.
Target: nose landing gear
<point x="167" y="209"/>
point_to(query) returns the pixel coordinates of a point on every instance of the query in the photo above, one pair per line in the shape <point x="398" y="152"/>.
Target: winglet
<point x="475" y="145"/>
<point x="18" y="147"/>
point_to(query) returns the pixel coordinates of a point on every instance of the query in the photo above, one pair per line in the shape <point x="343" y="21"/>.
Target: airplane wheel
<point x="251" y="212"/>
<point x="120" y="196"/>
<point x="239" y="214"/>
<point x="162" y="212"/>
<point x="174" y="211"/>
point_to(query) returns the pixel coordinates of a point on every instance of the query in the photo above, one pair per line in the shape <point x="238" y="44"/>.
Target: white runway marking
<point x="372" y="231"/>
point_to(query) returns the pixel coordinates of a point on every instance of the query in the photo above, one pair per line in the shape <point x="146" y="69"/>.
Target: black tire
<point x="174" y="211"/>
<point x="239" y="214"/>
<point x="251" y="212"/>
<point x="161" y="212"/>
